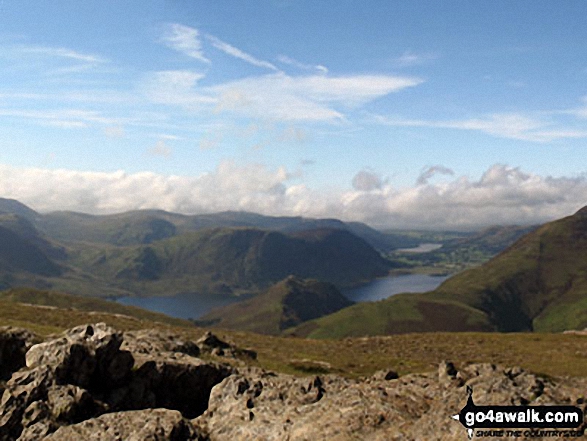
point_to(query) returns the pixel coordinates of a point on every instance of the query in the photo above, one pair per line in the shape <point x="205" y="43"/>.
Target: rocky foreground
<point x="95" y="383"/>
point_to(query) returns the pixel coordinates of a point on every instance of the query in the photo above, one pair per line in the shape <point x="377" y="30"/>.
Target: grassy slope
<point x="222" y="260"/>
<point x="86" y="304"/>
<point x="554" y="354"/>
<point x="285" y="304"/>
<point x="539" y="283"/>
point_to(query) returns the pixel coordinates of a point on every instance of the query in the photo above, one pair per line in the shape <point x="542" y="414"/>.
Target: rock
<point x="172" y="381"/>
<point x="14" y="343"/>
<point x="412" y="407"/>
<point x="142" y="425"/>
<point x="211" y="344"/>
<point x="85" y="372"/>
<point x="87" y="356"/>
<point x="386" y="375"/>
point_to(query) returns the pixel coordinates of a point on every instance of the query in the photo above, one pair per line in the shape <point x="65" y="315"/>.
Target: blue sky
<point x="419" y="114"/>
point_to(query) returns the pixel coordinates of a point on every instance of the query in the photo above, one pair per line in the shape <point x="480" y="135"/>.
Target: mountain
<point x="147" y="226"/>
<point x="285" y="304"/>
<point x="20" y="256"/>
<point x="11" y="206"/>
<point x="130" y="228"/>
<point x="153" y="252"/>
<point x="537" y="284"/>
<point x="232" y="260"/>
<point x="472" y="250"/>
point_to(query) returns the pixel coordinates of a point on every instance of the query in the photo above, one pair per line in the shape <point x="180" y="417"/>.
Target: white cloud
<point x="275" y="96"/>
<point x="366" y="180"/>
<point x="409" y="59"/>
<point x="237" y="53"/>
<point x="61" y="53"/>
<point x="502" y="125"/>
<point x="62" y="118"/>
<point x="177" y="87"/>
<point x="302" y="66"/>
<point x="429" y="172"/>
<point x="186" y="40"/>
<point x="502" y="195"/>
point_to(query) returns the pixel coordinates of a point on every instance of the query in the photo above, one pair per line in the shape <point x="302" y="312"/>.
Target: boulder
<point x="86" y="372"/>
<point x="142" y="425"/>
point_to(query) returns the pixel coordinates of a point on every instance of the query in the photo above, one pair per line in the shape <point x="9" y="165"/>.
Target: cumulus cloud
<point x="429" y="172"/>
<point x="366" y="180"/>
<point x="502" y="195"/>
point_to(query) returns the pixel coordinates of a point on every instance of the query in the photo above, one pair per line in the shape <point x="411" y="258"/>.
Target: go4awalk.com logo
<point x="518" y="421"/>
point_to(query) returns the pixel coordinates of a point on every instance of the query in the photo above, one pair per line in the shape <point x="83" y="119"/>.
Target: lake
<point x="422" y="248"/>
<point x="383" y="288"/>
<point x="186" y="305"/>
<point x="192" y="305"/>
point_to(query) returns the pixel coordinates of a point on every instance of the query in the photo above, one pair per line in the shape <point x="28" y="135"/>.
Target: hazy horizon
<point x="398" y="114"/>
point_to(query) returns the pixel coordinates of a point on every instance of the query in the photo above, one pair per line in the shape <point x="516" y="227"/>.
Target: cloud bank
<point x="502" y="195"/>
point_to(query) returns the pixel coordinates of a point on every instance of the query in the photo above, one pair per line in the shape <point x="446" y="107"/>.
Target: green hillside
<point x="285" y="304"/>
<point x="461" y="253"/>
<point x="538" y="284"/>
<point x="63" y="301"/>
<point x="232" y="260"/>
<point x="19" y="254"/>
<point x="147" y="226"/>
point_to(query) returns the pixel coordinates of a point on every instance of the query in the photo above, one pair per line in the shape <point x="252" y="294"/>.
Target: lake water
<point x="422" y="248"/>
<point x="186" y="305"/>
<point x="192" y="305"/>
<point x="383" y="288"/>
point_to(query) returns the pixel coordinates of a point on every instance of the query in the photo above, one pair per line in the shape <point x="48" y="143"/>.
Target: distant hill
<point x="285" y="304"/>
<point x="147" y="226"/>
<point x="465" y="252"/>
<point x="20" y="254"/>
<point x="153" y="252"/>
<point x="131" y="228"/>
<point x="11" y="206"/>
<point x="233" y="260"/>
<point x="537" y="284"/>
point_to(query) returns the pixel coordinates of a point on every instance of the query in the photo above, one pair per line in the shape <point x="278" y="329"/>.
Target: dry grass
<point x="552" y="354"/>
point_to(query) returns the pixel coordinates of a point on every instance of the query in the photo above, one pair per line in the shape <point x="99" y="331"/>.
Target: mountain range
<point x="537" y="284"/>
<point x="159" y="253"/>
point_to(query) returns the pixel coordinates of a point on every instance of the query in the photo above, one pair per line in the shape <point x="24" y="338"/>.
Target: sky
<point x="420" y="114"/>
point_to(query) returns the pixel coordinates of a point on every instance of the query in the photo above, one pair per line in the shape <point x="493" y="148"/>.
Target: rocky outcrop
<point x="94" y="383"/>
<point x="261" y="405"/>
<point x="150" y="424"/>
<point x="87" y="372"/>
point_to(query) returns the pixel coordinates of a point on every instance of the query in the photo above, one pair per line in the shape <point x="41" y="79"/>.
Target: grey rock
<point x="412" y="407"/>
<point x="142" y="425"/>
<point x="210" y="343"/>
<point x="85" y="373"/>
<point x="87" y="356"/>
<point x="170" y="380"/>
